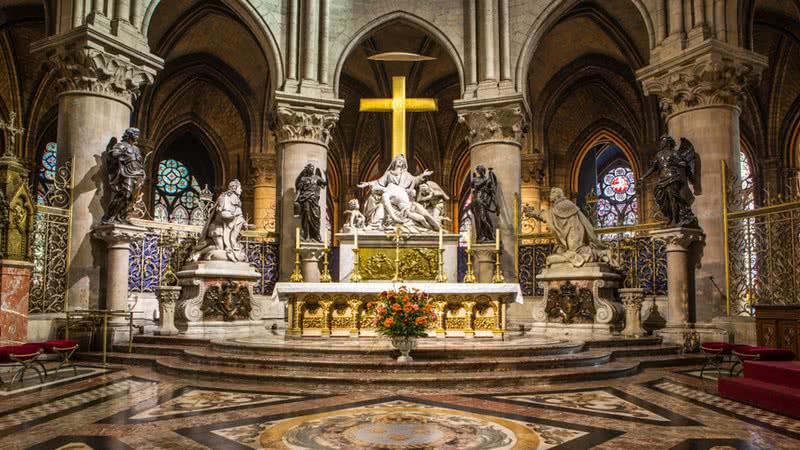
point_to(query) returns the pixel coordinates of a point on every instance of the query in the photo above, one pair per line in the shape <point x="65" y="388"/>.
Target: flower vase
<point x="404" y="344"/>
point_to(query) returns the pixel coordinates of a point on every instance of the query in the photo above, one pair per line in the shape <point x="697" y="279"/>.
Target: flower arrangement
<point x="402" y="313"/>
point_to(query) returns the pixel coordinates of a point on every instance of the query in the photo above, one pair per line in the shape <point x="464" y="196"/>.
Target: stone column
<point x="632" y="299"/>
<point x="167" y="298"/>
<point x="496" y="130"/>
<point x="303" y="130"/>
<point x="96" y="79"/>
<point x="310" y="257"/>
<point x="681" y="261"/>
<point x="484" y="262"/>
<point x="118" y="237"/>
<point x="263" y="175"/>
<point x="698" y="92"/>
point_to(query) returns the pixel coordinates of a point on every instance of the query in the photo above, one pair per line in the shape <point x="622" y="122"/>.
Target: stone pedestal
<point x="588" y="298"/>
<point x="167" y="296"/>
<point x="418" y="256"/>
<point x="118" y="238"/>
<point x="217" y="299"/>
<point x="632" y="299"/>
<point x="310" y="257"/>
<point x="484" y="255"/>
<point x="14" y="289"/>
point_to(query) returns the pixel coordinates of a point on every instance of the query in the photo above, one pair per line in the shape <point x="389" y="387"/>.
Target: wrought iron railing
<point x="50" y="246"/>
<point x="166" y="245"/>
<point x="642" y="258"/>
<point x="762" y="264"/>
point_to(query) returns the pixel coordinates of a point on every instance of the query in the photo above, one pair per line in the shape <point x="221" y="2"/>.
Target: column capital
<point x="303" y="119"/>
<point x="502" y="119"/>
<point x="262" y="168"/>
<point x="679" y="239"/>
<point x="710" y="74"/>
<point x="88" y="61"/>
<point x="119" y="235"/>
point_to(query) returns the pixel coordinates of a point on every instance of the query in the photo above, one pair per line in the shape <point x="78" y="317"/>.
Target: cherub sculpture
<point x="353" y="219"/>
<point x="677" y="166"/>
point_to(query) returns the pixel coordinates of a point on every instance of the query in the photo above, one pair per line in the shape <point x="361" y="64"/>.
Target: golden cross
<point x="11" y="132"/>
<point x="398" y="105"/>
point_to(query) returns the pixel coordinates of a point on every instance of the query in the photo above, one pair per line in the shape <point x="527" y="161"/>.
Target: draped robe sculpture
<point x="484" y="203"/>
<point x="576" y="242"/>
<point x="219" y="240"/>
<point x="400" y="198"/>
<point x="306" y="203"/>
<point x="125" y="174"/>
<point x="677" y="166"/>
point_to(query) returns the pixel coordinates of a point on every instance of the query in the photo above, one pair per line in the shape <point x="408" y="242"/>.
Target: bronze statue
<point x="125" y="171"/>
<point x="219" y="240"/>
<point x="484" y="204"/>
<point x="677" y="166"/>
<point x="306" y="203"/>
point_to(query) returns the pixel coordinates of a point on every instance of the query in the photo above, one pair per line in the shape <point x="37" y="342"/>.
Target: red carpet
<point x="770" y="385"/>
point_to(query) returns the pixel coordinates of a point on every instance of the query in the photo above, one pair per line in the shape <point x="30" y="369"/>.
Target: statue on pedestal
<point x="125" y="171"/>
<point x="576" y="242"/>
<point x="484" y="204"/>
<point x="219" y="240"/>
<point x="677" y="166"/>
<point x="306" y="203"/>
<point x="399" y="198"/>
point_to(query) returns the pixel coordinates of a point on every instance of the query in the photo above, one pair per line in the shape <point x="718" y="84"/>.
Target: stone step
<point x="387" y="363"/>
<point x="170" y="340"/>
<point x="154" y="349"/>
<point x="182" y="368"/>
<point x="655" y="361"/>
<point x="132" y="359"/>
<point x="623" y="342"/>
<point x="640" y="350"/>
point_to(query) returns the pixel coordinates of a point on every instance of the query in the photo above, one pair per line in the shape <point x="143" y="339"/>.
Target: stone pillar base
<point x="14" y="294"/>
<point x="310" y="256"/>
<point x="167" y="298"/>
<point x="632" y="299"/>
<point x="484" y="261"/>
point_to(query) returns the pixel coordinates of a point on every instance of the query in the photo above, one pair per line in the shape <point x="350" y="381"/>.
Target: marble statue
<point x="484" y="203"/>
<point x="400" y="198"/>
<point x="306" y="203"/>
<point x="125" y="174"/>
<point x="353" y="219"/>
<point x="219" y="240"/>
<point x="576" y="242"/>
<point x="677" y="166"/>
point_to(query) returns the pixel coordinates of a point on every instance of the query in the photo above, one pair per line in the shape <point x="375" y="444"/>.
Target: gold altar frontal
<point x="480" y="313"/>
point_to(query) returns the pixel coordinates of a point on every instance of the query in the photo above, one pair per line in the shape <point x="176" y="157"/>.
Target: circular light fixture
<point x="400" y="56"/>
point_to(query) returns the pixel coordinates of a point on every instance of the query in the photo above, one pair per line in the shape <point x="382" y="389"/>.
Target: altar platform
<point x="339" y="309"/>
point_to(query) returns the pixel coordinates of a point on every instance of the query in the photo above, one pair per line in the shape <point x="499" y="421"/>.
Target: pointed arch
<point x="399" y="16"/>
<point x="602" y="134"/>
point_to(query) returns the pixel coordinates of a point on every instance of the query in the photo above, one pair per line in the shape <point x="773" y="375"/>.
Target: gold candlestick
<point x="441" y="277"/>
<point x="498" y="274"/>
<point x="325" y="276"/>
<point x="396" y="237"/>
<point x="297" y="276"/>
<point x="355" y="277"/>
<point x="469" y="276"/>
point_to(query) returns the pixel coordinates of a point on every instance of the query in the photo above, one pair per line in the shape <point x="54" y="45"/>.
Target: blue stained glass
<point x="177" y="194"/>
<point x="47" y="172"/>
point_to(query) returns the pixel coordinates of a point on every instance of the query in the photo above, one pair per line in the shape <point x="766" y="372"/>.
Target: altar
<point x="339" y="309"/>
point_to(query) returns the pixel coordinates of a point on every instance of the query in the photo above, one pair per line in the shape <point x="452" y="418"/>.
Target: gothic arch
<point x="550" y="16"/>
<point x="191" y="124"/>
<point x="254" y="22"/>
<point x="401" y="16"/>
<point x="601" y="132"/>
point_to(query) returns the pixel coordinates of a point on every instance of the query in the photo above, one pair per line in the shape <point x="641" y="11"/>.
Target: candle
<point x="497" y="239"/>
<point x="326" y="238"/>
<point x="440" y="238"/>
<point x="469" y="241"/>
<point x="355" y="242"/>
<point x="297" y="238"/>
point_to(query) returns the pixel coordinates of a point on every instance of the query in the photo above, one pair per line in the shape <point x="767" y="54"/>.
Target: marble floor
<point x="135" y="408"/>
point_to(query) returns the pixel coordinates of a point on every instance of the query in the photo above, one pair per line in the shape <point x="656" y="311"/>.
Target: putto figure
<point x="353" y="219"/>
<point x="484" y="203"/>
<point x="576" y="242"/>
<point x="306" y="203"/>
<point x="677" y="166"/>
<point x="125" y="171"/>
<point x="219" y="240"/>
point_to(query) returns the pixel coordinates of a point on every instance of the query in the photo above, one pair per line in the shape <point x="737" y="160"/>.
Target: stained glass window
<point x="464" y="218"/>
<point x="178" y="195"/>
<point x="746" y="175"/>
<point x="616" y="197"/>
<point x="47" y="172"/>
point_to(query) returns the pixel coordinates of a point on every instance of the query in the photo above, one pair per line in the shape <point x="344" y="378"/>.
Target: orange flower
<point x="396" y="306"/>
<point x="407" y="307"/>
<point x="388" y="322"/>
<point x="422" y="321"/>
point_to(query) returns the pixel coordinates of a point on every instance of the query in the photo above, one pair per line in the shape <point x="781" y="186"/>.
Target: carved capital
<point x="533" y="169"/>
<point x="262" y="169"/>
<point x="293" y="124"/>
<point x="506" y="123"/>
<point x="119" y="235"/>
<point x="679" y="239"/>
<point x="710" y="74"/>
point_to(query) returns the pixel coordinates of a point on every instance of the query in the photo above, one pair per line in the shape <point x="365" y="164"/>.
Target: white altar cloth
<point x="284" y="289"/>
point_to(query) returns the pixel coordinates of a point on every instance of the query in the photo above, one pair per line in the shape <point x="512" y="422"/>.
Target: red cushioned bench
<point x="64" y="349"/>
<point x="24" y="357"/>
<point x="772" y="385"/>
<point x="718" y="353"/>
<point x="749" y="353"/>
